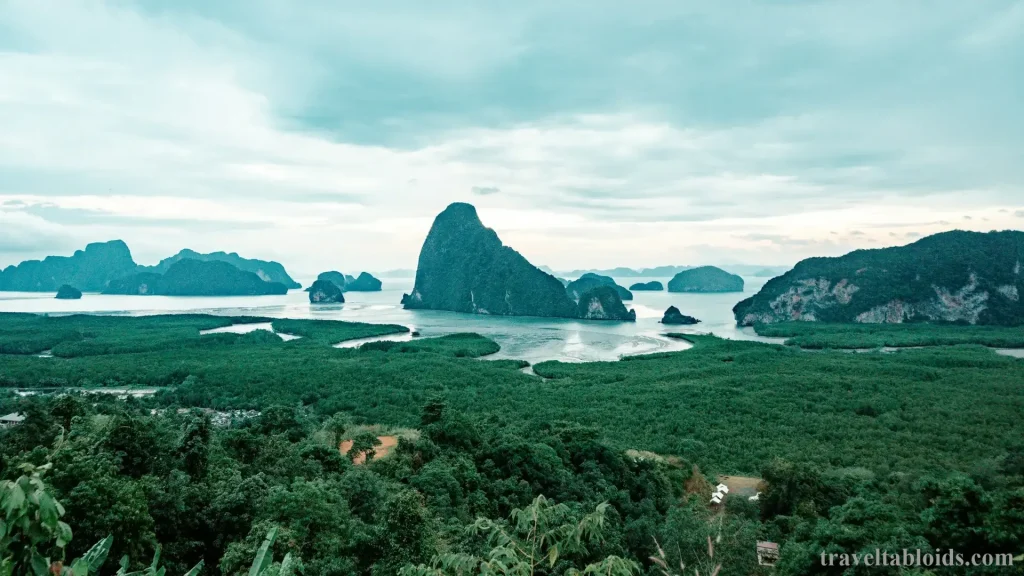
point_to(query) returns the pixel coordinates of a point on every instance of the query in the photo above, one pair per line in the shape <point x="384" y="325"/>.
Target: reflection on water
<point x="403" y="337"/>
<point x="247" y="328"/>
<point x="531" y="339"/>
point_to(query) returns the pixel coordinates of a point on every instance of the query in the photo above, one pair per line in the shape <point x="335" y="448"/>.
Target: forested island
<point x="705" y="279"/>
<point x="961" y="277"/>
<point x="652" y="286"/>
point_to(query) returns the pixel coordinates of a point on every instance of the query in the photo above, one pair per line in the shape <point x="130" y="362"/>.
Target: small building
<point x="767" y="553"/>
<point x="722" y="488"/>
<point x="11" y="420"/>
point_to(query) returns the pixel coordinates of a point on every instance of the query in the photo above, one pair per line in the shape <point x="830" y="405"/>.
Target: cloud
<point x="22" y="233"/>
<point x="1019" y="213"/>
<point x="239" y="123"/>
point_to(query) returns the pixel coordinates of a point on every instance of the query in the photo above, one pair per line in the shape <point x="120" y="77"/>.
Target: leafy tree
<point x="194" y="450"/>
<point x="406" y="534"/>
<point x="364" y="443"/>
<point x="336" y="426"/>
<point x="533" y="541"/>
<point x="956" y="512"/>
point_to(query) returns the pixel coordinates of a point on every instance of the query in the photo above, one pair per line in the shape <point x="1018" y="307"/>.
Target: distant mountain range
<point x="108" y="267"/>
<point x="756" y="270"/>
<point x="267" y="270"/>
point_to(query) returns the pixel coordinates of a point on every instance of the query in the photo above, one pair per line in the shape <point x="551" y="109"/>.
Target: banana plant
<point x="30" y="520"/>
<point x="264" y="560"/>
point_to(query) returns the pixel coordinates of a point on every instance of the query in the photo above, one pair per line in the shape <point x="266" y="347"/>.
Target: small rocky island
<point x="365" y="282"/>
<point x="674" y="316"/>
<point x="325" y="292"/>
<point x="333" y="276"/>
<point x="68" y="292"/>
<point x="589" y="281"/>
<point x="652" y="286"/>
<point x="705" y="279"/>
<point x="603" y="303"/>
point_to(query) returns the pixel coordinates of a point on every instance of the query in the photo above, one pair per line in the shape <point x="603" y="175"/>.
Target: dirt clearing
<point x="387" y="443"/>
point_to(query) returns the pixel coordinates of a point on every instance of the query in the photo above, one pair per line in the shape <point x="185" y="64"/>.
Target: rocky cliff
<point x="90" y="269"/>
<point x="705" y="279"/>
<point x="464" y="267"/>
<point x="268" y="271"/>
<point x="325" y="292"/>
<point x="603" y="303"/>
<point x="963" y="277"/>
<point x="196" y="278"/>
<point x="589" y="281"/>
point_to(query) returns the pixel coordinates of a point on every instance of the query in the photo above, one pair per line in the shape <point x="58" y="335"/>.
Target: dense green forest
<point x="821" y="335"/>
<point x="921" y="448"/>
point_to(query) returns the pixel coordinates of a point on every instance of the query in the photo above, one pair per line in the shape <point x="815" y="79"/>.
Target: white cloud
<point x="177" y="123"/>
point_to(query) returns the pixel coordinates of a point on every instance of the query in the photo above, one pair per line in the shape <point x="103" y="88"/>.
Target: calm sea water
<point x="531" y="339"/>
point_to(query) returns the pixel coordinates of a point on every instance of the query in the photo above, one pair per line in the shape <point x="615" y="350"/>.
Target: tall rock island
<point x="464" y="267"/>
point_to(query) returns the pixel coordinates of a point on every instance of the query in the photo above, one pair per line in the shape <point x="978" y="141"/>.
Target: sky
<point x="328" y="134"/>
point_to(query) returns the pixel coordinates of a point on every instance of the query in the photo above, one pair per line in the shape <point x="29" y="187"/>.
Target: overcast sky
<point x="588" y="134"/>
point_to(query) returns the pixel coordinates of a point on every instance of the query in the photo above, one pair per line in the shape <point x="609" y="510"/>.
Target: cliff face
<point x="464" y="267"/>
<point x="589" y="281"/>
<point x="196" y="278"/>
<point x="705" y="279"/>
<point x="268" y="271"/>
<point x="966" y="277"/>
<point x="90" y="270"/>
<point x="325" y="292"/>
<point x="603" y="303"/>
